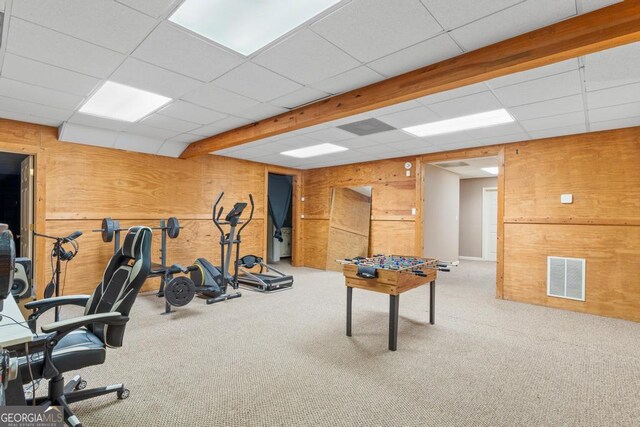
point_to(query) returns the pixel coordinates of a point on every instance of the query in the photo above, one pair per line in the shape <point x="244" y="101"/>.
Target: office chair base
<point x="61" y="394"/>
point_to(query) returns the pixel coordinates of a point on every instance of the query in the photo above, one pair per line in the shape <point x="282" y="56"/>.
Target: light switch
<point x="408" y="173"/>
<point x="413" y="211"/>
<point x="302" y="199"/>
<point x="566" y="198"/>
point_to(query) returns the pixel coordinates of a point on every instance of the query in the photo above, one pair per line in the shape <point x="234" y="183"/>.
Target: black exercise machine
<point x="217" y="279"/>
<point x="262" y="281"/>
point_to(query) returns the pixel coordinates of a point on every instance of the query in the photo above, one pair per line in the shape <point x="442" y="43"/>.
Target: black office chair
<point x="76" y="343"/>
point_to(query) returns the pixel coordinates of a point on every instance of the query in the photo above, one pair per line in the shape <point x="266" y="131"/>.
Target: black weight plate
<point x="108" y="228"/>
<point x="173" y="227"/>
<point x="179" y="291"/>
<point x="7" y="262"/>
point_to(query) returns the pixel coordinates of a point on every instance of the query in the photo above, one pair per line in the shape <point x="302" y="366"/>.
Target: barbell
<point x="110" y="227"/>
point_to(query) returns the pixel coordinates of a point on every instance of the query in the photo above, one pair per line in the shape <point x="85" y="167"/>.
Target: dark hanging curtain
<point x="279" y="201"/>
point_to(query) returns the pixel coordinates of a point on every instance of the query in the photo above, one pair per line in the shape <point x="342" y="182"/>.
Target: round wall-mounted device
<point x="407" y="165"/>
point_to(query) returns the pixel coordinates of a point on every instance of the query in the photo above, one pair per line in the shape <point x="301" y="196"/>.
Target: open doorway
<point x="16" y="199"/>
<point x="280" y="222"/>
<point x="461" y="209"/>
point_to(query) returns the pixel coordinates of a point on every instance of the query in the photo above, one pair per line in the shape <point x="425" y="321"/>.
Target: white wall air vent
<point x="566" y="277"/>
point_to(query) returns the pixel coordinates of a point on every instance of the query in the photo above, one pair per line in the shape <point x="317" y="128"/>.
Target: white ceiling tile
<point x="500" y="139"/>
<point x="175" y="49"/>
<point x="142" y="75"/>
<point x="410" y="145"/>
<point x="40" y="74"/>
<point x="360" y="142"/>
<point x="261" y="111"/>
<point x="452" y="94"/>
<point x="299" y="141"/>
<point x="516" y="20"/>
<point x="585" y="6"/>
<point x="39" y="43"/>
<point x="499" y="130"/>
<point x="29" y="118"/>
<point x="3" y="5"/>
<point x="408" y="105"/>
<point x="562" y="120"/>
<point x="390" y="148"/>
<point x="559" y="131"/>
<point x="256" y="82"/>
<point x="617" y="112"/>
<point x="568" y="104"/>
<point x="215" y="98"/>
<point x="615" y="124"/>
<point x="535" y="73"/>
<point x="153" y="8"/>
<point x="105" y="23"/>
<point x="455" y="13"/>
<point x="556" y="86"/>
<point x="250" y="153"/>
<point x="614" y="96"/>
<point x="185" y="138"/>
<point x="207" y="131"/>
<point x="30" y="108"/>
<point x="151" y="132"/>
<point x="375" y="28"/>
<point x="412" y="117"/>
<point x="39" y="95"/>
<point x="388" y="137"/>
<point x="230" y="123"/>
<point x="138" y="143"/>
<point x="349" y="80"/>
<point x="299" y="97"/>
<point x="306" y="58"/>
<point x="98" y="122"/>
<point x="169" y="123"/>
<point x="70" y="132"/>
<point x="613" y="67"/>
<point x="172" y="149"/>
<point x="417" y="56"/>
<point x="472" y="104"/>
<point x="330" y="135"/>
<point x="192" y="113"/>
<point x="449" y="138"/>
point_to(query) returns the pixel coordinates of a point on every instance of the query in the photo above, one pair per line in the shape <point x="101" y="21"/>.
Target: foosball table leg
<point x="394" y="301"/>
<point x="349" y="298"/>
<point x="432" y="302"/>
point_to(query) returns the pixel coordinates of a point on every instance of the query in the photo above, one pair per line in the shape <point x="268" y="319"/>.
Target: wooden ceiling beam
<point x="602" y="29"/>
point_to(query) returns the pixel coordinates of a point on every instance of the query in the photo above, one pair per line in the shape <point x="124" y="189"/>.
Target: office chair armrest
<point x="47" y="303"/>
<point x="40" y="306"/>
<point x="63" y="327"/>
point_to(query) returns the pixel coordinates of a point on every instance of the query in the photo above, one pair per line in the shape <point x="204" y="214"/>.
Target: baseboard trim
<point x="472" y="258"/>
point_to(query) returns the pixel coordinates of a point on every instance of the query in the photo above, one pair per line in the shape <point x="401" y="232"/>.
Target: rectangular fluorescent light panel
<point x="120" y="102"/>
<point x="492" y="170"/>
<point x="246" y="26"/>
<point x="474" y="121"/>
<point x="314" y="151"/>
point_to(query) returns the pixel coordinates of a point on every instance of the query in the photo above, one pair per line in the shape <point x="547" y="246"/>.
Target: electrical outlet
<point x="302" y="199"/>
<point x="566" y="198"/>
<point x="413" y="211"/>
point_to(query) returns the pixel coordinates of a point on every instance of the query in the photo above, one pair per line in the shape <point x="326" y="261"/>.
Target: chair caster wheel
<point x="123" y="394"/>
<point x="81" y="385"/>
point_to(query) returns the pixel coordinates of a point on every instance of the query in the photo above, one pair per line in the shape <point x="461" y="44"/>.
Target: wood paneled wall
<point x="86" y="183"/>
<point x="393" y="197"/>
<point x="79" y="185"/>
<point x="600" y="169"/>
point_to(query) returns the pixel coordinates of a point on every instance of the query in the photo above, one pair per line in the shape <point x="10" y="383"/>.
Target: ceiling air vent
<point x="366" y="127"/>
<point x="565" y="277"/>
<point x="451" y="164"/>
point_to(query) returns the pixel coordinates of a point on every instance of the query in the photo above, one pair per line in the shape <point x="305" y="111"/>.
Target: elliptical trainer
<point x="212" y="281"/>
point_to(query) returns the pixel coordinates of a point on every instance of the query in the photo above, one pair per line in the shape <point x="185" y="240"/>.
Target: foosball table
<point x="392" y="275"/>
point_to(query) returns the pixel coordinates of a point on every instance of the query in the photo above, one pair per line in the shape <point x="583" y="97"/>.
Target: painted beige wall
<point x="471" y="215"/>
<point x="441" y="209"/>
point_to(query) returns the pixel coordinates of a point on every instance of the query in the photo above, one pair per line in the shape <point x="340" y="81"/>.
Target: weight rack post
<point x="116" y="236"/>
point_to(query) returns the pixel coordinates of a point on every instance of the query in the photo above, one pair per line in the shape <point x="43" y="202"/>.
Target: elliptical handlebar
<point x="216" y="219"/>
<point x="250" y="214"/>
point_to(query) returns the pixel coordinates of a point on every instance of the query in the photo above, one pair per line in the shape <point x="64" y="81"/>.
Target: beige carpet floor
<point x="284" y="360"/>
